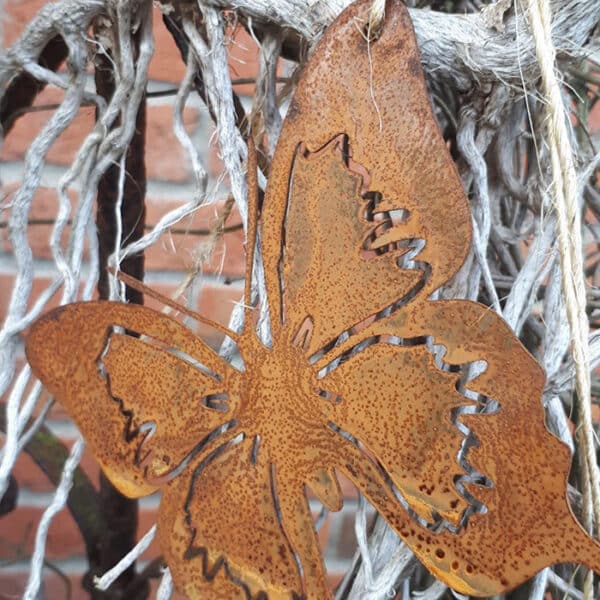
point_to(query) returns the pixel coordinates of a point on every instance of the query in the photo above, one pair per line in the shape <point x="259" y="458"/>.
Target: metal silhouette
<point x="431" y="408"/>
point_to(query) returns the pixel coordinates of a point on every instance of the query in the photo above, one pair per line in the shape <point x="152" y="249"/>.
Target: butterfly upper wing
<point x="144" y="390"/>
<point x="321" y="233"/>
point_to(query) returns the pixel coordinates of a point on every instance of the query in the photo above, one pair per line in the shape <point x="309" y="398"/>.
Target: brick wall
<point x="167" y="263"/>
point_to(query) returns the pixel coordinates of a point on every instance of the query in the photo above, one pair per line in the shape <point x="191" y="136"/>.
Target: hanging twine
<point x="565" y="194"/>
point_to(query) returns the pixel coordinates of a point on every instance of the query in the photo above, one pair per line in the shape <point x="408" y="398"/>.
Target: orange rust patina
<point x="432" y="408"/>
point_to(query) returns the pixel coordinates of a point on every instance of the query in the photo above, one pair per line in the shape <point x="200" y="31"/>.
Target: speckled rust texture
<point x="432" y="408"/>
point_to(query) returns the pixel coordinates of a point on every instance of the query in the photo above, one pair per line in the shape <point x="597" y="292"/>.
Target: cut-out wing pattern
<point x="432" y="408"/>
<point x="139" y="404"/>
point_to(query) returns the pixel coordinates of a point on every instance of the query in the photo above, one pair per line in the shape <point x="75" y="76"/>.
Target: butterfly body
<point x="278" y="390"/>
<point x="431" y="408"/>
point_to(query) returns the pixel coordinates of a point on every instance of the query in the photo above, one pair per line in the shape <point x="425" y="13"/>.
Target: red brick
<point x="594" y="119"/>
<point x="39" y="285"/>
<point x="64" y="539"/>
<point x="348" y="488"/>
<point x="31" y="477"/>
<point x="173" y="251"/>
<point x="54" y="586"/>
<point x="19" y="528"/>
<point x="56" y="413"/>
<point x="29" y="125"/>
<point x="346" y="543"/>
<point x="16" y="14"/>
<point x="166" y="64"/>
<point x="156" y="208"/>
<point x="165" y="158"/>
<point x="243" y="59"/>
<point x="146" y="519"/>
<point x="6" y="289"/>
<point x="334" y="580"/>
<point x="43" y="208"/>
<point x="165" y="289"/>
<point x="215" y="303"/>
<point x="323" y="533"/>
<point x="179" y="251"/>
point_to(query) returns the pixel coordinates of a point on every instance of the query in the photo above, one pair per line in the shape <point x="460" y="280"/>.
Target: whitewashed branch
<point x="469" y="50"/>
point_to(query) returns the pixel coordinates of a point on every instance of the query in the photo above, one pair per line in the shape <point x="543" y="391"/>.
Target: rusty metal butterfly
<point x="431" y="408"/>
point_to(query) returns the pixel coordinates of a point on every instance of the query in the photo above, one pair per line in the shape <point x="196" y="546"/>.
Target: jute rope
<point x="565" y="196"/>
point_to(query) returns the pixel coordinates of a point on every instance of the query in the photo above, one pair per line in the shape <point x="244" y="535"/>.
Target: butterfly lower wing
<point x="511" y="481"/>
<point x="221" y="527"/>
<point x="145" y="392"/>
<point x="359" y="147"/>
<point x="395" y="402"/>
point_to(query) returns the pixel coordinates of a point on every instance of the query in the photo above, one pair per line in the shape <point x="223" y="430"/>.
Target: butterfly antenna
<point x="137" y="285"/>
<point x="251" y="229"/>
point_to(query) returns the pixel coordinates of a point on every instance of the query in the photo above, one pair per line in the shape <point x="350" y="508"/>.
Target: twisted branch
<point x="471" y="52"/>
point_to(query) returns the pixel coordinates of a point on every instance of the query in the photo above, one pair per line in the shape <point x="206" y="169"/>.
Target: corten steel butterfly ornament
<point x="431" y="408"/>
